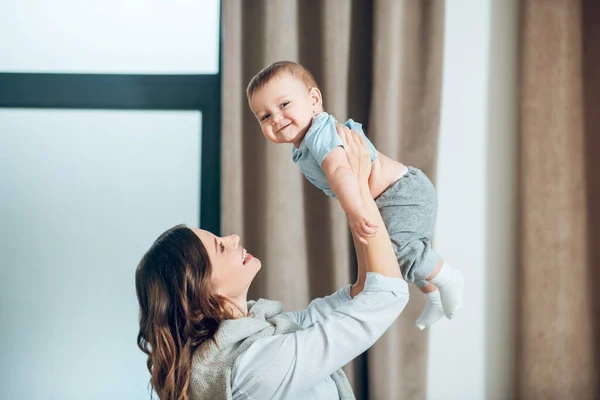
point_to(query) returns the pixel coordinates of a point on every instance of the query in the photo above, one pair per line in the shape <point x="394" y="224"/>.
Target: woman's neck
<point x="239" y="306"/>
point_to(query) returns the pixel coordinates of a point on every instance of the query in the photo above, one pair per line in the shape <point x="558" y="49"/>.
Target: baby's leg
<point x="416" y="257"/>
<point x="409" y="210"/>
<point x="419" y="264"/>
<point x="417" y="261"/>
<point x="450" y="283"/>
<point x="433" y="310"/>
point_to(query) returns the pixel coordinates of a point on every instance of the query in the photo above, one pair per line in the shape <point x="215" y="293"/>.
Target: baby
<point x="288" y="104"/>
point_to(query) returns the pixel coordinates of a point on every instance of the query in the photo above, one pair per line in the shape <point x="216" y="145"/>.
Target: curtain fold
<point x="559" y="214"/>
<point x="377" y="62"/>
<point x="591" y="98"/>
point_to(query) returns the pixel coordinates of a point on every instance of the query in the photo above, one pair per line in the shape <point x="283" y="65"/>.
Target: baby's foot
<point x="450" y="282"/>
<point x="433" y="310"/>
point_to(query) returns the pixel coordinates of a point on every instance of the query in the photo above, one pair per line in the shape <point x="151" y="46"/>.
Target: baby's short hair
<point x="271" y="71"/>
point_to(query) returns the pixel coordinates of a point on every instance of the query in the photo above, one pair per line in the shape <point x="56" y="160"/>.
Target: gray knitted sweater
<point x="276" y="355"/>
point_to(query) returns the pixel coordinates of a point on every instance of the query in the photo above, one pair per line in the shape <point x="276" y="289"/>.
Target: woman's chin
<point x="252" y="262"/>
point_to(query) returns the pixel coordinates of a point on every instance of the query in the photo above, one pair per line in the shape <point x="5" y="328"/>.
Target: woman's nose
<point x="234" y="240"/>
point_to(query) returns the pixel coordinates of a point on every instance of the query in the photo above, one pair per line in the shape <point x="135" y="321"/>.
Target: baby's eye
<point x="265" y="117"/>
<point x="222" y="247"/>
<point x="284" y="104"/>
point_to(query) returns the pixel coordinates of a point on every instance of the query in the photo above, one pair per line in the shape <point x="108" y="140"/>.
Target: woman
<point x="205" y="341"/>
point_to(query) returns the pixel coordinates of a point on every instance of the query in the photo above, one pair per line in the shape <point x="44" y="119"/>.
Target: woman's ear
<point x="316" y="99"/>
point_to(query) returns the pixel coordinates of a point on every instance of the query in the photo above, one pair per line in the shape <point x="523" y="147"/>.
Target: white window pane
<point x="110" y="36"/>
<point x="83" y="194"/>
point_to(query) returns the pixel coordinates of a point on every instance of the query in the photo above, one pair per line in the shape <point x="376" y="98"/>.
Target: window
<point x="109" y="135"/>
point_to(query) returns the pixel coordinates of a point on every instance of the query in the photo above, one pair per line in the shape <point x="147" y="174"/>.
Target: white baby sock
<point x="433" y="310"/>
<point x="450" y="282"/>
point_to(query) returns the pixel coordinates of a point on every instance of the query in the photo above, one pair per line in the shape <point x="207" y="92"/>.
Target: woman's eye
<point x="222" y="247"/>
<point x="283" y="105"/>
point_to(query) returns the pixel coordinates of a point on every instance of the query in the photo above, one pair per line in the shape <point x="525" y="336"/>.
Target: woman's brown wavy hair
<point x="179" y="309"/>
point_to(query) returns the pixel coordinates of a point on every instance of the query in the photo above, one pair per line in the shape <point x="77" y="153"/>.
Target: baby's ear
<point x="317" y="100"/>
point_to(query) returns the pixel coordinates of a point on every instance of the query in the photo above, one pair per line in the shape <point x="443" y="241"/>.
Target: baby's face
<point x="284" y="108"/>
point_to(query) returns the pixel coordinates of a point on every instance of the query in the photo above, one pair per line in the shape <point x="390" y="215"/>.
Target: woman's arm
<point x="379" y="255"/>
<point x="358" y="157"/>
<point x="319" y="308"/>
<point x="359" y="161"/>
<point x="287" y="365"/>
<point x="361" y="276"/>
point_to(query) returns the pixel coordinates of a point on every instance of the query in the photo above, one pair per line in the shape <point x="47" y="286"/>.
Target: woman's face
<point x="233" y="269"/>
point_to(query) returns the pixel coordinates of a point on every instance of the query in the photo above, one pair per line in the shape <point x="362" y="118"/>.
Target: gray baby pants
<point x="409" y="211"/>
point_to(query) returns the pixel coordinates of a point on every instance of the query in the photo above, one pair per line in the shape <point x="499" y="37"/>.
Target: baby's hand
<point x="361" y="226"/>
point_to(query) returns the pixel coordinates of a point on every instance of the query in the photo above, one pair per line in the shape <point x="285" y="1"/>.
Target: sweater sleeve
<point x="318" y="309"/>
<point x="286" y="365"/>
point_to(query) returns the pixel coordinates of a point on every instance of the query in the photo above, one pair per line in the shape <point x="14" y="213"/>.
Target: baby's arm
<point x="345" y="186"/>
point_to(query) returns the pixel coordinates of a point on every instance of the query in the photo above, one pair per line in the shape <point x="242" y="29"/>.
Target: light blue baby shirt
<point x="320" y="139"/>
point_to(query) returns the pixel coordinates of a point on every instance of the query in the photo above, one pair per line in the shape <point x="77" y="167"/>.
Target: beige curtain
<point x="378" y="62"/>
<point x="558" y="307"/>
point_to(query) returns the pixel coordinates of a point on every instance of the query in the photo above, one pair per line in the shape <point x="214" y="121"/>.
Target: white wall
<point x="471" y="357"/>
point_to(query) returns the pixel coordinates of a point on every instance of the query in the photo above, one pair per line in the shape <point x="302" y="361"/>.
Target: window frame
<point x="200" y="92"/>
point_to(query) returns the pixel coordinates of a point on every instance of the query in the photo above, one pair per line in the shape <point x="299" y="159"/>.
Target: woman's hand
<point x="358" y="153"/>
<point x="359" y="159"/>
